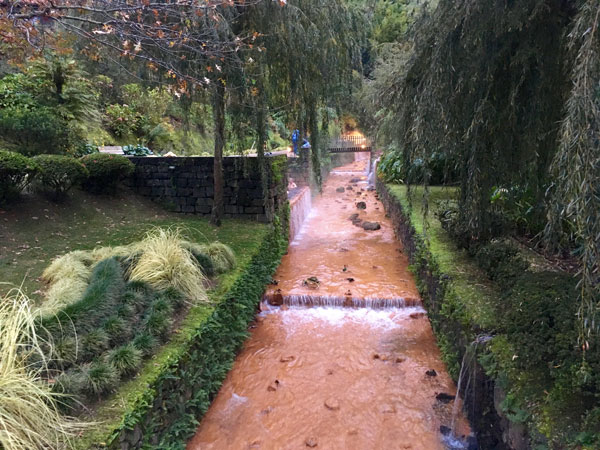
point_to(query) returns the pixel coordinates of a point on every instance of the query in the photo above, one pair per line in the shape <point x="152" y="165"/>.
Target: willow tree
<point x="302" y="60"/>
<point x="575" y="201"/>
<point x="485" y="85"/>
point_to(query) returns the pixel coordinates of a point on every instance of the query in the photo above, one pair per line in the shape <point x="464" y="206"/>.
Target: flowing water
<point x="300" y="206"/>
<point x="342" y="355"/>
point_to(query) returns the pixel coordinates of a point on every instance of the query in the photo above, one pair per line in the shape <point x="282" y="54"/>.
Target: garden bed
<point x="515" y="324"/>
<point x="162" y="406"/>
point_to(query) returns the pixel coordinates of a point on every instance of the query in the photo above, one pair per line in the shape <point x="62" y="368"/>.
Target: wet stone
<point x="445" y="430"/>
<point x="388" y="409"/>
<point x="266" y="411"/>
<point x="273" y="386"/>
<point x="361" y="205"/>
<point x="332" y="404"/>
<point x="418" y="315"/>
<point x="277" y="298"/>
<point x="341" y="189"/>
<point x="371" y="226"/>
<point x="431" y="373"/>
<point x="355" y="180"/>
<point x="311" y="442"/>
<point x="444" y="397"/>
<point x="285" y="359"/>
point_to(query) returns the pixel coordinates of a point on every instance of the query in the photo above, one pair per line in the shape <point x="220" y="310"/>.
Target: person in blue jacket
<point x="295" y="138"/>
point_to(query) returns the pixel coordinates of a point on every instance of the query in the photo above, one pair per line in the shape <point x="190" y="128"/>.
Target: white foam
<point x="382" y="319"/>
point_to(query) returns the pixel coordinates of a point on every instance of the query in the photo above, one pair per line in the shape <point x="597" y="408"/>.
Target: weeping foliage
<point x="575" y="206"/>
<point x="303" y="59"/>
<point x="29" y="415"/>
<point x="485" y="84"/>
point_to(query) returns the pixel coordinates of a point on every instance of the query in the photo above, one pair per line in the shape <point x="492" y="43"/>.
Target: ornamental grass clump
<point x="67" y="278"/>
<point x="165" y="263"/>
<point x="213" y="258"/>
<point x="126" y="359"/>
<point x="29" y="414"/>
<point x="222" y="257"/>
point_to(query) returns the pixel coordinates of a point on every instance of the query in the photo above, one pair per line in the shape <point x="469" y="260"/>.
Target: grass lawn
<point x="34" y="231"/>
<point x="468" y="281"/>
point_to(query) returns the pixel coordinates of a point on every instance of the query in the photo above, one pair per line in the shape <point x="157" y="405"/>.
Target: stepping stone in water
<point x="332" y="404"/>
<point x="340" y="189"/>
<point x="311" y="442"/>
<point x="371" y="226"/>
<point x="444" y="398"/>
<point x="361" y="205"/>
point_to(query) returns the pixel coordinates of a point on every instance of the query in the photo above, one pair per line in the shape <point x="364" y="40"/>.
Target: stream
<point x="342" y="355"/>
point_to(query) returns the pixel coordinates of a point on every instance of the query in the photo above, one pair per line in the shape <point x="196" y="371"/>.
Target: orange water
<point x="337" y="377"/>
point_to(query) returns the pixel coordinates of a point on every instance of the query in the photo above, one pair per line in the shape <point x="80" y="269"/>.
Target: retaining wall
<point x="186" y="185"/>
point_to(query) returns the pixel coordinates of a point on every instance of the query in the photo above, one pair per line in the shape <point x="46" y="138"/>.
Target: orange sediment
<point x="358" y="370"/>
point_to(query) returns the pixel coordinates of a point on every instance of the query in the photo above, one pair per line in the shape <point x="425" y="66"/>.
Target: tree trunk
<point x="261" y="115"/>
<point x="219" y="129"/>
<point x="314" y="143"/>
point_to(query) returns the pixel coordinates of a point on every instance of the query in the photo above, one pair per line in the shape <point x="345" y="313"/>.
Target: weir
<point x="341" y="355"/>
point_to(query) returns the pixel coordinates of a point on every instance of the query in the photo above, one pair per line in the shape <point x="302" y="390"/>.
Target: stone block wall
<point x="186" y="185"/>
<point x="300" y="168"/>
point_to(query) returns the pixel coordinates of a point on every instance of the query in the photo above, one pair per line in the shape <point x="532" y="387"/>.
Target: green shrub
<point x="70" y="382"/>
<point x="501" y="261"/>
<point x="439" y="169"/>
<point x="16" y="172"/>
<point x="539" y="316"/>
<point x="117" y="330"/>
<point x="35" y="131"/>
<point x="162" y="305"/>
<point x="126" y="359"/>
<point x="106" y="171"/>
<point x="122" y="120"/>
<point x="145" y="343"/>
<point x="136" y="150"/>
<point x="200" y="253"/>
<point x="66" y="351"/>
<point x="93" y="344"/>
<point x="98" y="378"/>
<point x="58" y="174"/>
<point x="157" y="324"/>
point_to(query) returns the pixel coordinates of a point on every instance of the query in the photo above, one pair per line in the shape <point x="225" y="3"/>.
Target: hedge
<point x="58" y="174"/>
<point x="16" y="172"/>
<point x="167" y="412"/>
<point x="105" y="172"/>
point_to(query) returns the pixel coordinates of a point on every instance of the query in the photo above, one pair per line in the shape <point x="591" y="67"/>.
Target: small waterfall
<point x="300" y="206"/>
<point x="467" y="369"/>
<point x="341" y="302"/>
<point x="372" y="176"/>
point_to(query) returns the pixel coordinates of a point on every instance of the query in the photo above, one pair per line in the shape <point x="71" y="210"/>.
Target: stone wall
<point x="300" y="168"/>
<point x="186" y="185"/>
